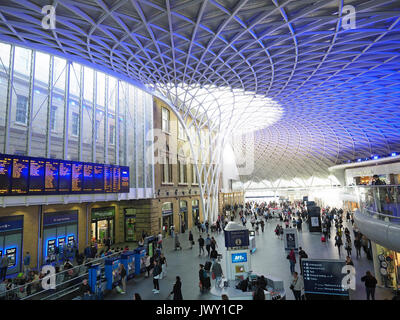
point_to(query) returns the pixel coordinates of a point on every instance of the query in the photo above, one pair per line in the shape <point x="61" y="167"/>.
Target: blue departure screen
<point x="51" y="176"/>
<point x="20" y="175"/>
<point x="5" y="174"/>
<point x="65" y="176"/>
<point x="36" y="175"/>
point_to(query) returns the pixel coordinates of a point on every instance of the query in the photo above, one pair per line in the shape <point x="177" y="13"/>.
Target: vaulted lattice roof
<point x="330" y="94"/>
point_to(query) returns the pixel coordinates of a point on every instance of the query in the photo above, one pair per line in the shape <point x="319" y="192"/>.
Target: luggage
<point x="207" y="283"/>
<point x="207" y="266"/>
<point x="323" y="238"/>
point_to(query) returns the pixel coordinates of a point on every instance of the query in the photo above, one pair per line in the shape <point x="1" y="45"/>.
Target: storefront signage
<point x="166" y="212"/>
<point x="60" y="218"/>
<point x="103" y="213"/>
<point x="239" y="257"/>
<point x="9" y="225"/>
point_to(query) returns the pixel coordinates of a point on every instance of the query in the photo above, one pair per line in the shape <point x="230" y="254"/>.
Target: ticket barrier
<point x="95" y="281"/>
<point x="139" y="254"/>
<point x="111" y="269"/>
<point x="128" y="260"/>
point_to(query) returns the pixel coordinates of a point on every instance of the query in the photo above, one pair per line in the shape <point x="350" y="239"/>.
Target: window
<point x="182" y="169"/>
<point x="194" y="176"/>
<point x="181" y="132"/>
<point x="167" y="167"/>
<point x="165" y="120"/>
<point x="53" y="113"/>
<point x="22" y="109"/>
<point x="111" y="134"/>
<point x="75" y="123"/>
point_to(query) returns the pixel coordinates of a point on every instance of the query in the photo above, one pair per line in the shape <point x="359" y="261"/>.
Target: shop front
<point x="130" y="224"/>
<point x="11" y="237"/>
<point x="387" y="267"/>
<point x="195" y="212"/>
<point x="167" y="214"/>
<point x="183" y="216"/>
<point x="103" y="225"/>
<point x="60" y="235"/>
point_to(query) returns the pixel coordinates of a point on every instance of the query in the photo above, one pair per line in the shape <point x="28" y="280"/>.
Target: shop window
<point x="165" y="120"/>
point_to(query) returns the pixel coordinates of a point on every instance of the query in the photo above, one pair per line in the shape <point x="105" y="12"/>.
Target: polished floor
<point x="269" y="258"/>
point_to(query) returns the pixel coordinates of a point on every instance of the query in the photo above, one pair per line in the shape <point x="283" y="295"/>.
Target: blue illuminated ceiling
<point x="339" y="89"/>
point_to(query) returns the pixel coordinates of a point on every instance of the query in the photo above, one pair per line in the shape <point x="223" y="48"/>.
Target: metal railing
<point x="67" y="281"/>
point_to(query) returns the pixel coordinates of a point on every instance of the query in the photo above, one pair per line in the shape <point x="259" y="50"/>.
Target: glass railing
<point x="382" y="202"/>
<point x="67" y="283"/>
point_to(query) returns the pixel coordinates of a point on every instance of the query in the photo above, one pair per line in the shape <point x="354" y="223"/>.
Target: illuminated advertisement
<point x="239" y="257"/>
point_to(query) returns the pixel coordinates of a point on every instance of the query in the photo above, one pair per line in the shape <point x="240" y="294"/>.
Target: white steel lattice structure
<point x="325" y="93"/>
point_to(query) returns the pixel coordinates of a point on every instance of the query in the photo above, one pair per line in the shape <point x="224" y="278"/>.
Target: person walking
<point x="177" y="243"/>
<point x="302" y="255"/>
<point x="348" y="246"/>
<point x="357" y="245"/>
<point x="191" y="239"/>
<point x="201" y="245"/>
<point x="297" y="286"/>
<point x="262" y="223"/>
<point x="292" y="260"/>
<point x="147" y="264"/>
<point x="208" y="245"/>
<point x="122" y="273"/>
<point x="163" y="262"/>
<point x="213" y="244"/>
<point x="370" y="284"/>
<point x="202" y="278"/>
<point x="338" y="242"/>
<point x="27" y="262"/>
<point x="3" y="267"/>
<point x="177" y="289"/>
<point x="217" y="274"/>
<point x="207" y="226"/>
<point x="156" y="276"/>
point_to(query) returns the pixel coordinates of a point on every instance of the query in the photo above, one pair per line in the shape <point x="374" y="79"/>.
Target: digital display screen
<point x="61" y="241"/>
<point x="124" y="179"/>
<point x="88" y="178"/>
<point x="5" y="174"/>
<point x="77" y="177"/>
<point x="36" y="176"/>
<point x="108" y="181"/>
<point x="98" y="178"/>
<point x="65" y="176"/>
<point x="20" y="175"/>
<point x="51" y="246"/>
<point x="239" y="257"/>
<point x="116" y="179"/>
<point x="51" y="176"/>
<point x="11" y="253"/>
<point x="323" y="277"/>
<point x="70" y="240"/>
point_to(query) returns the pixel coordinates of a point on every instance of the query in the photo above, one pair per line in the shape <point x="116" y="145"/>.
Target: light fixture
<point x="393" y="154"/>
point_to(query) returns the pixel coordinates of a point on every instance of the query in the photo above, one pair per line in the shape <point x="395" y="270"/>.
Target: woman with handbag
<point x="297" y="285"/>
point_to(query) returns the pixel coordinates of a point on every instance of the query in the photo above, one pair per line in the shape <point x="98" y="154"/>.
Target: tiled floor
<point x="269" y="258"/>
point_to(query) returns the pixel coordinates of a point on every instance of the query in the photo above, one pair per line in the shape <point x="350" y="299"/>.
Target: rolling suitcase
<point x="323" y="238"/>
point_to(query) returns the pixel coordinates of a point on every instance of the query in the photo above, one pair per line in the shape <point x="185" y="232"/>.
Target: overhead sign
<point x="323" y="277"/>
<point x="236" y="238"/>
<point x="21" y="175"/>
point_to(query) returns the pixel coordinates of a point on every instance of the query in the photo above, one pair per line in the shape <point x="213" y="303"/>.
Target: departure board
<point x="87" y="178"/>
<point x="20" y="176"/>
<point x="5" y="174"/>
<point x="116" y="179"/>
<point x="77" y="177"/>
<point x="51" y="176"/>
<point x="64" y="176"/>
<point x="124" y="179"/>
<point x="98" y="177"/>
<point x="36" y="176"/>
<point x="108" y="181"/>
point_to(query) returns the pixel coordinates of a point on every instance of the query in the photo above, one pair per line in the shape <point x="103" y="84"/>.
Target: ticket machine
<point x="139" y="254"/>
